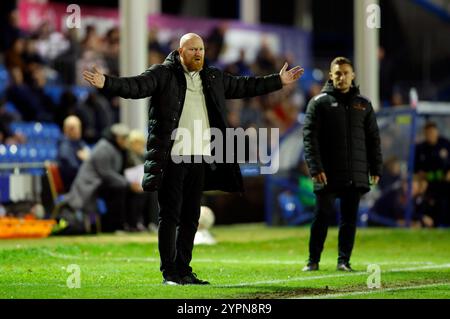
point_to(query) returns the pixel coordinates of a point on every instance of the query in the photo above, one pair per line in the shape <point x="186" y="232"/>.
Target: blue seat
<point x="38" y="133"/>
<point x="4" y="189"/>
<point x="54" y="91"/>
<point x="33" y="153"/>
<point x="81" y="92"/>
<point x="4" y="153"/>
<point x="292" y="210"/>
<point x="4" y="78"/>
<point x="21" y="127"/>
<point x="11" y="108"/>
<point x="13" y="153"/>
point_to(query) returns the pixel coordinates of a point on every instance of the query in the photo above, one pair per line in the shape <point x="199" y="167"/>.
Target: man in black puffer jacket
<point x="182" y="92"/>
<point x="342" y="150"/>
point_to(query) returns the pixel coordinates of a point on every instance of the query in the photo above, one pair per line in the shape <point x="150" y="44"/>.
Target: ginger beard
<point x="194" y="63"/>
<point x="192" y="54"/>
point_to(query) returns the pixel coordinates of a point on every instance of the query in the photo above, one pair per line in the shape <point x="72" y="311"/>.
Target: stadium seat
<point x="55" y="92"/>
<point x="4" y="79"/>
<point x="11" y="108"/>
<point x="81" y="92"/>
<point x="292" y="210"/>
<point x="57" y="189"/>
<point x="41" y="136"/>
<point x="55" y="180"/>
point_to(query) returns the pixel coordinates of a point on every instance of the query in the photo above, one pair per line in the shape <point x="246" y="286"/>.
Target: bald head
<point x="187" y="37"/>
<point x="72" y="128"/>
<point x="192" y="51"/>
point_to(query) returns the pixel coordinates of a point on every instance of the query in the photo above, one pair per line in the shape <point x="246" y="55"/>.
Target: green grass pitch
<point x="249" y="261"/>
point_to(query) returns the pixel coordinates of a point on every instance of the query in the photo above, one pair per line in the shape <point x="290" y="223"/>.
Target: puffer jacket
<point x="165" y="84"/>
<point x="341" y="138"/>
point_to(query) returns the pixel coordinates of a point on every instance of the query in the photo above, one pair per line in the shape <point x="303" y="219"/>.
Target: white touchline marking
<point x="419" y="268"/>
<point x="371" y="291"/>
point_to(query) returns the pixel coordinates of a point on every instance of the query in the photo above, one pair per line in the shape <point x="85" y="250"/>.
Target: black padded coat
<point x="165" y="84"/>
<point x="341" y="138"/>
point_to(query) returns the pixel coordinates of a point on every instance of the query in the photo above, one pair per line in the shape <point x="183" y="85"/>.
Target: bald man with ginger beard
<point x="184" y="90"/>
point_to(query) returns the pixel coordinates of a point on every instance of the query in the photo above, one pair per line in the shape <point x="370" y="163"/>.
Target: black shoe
<point x="344" y="267"/>
<point x="311" y="267"/>
<point x="191" y="279"/>
<point x="172" y="280"/>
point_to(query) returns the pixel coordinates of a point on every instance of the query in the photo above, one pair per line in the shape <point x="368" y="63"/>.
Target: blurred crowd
<point x="44" y="57"/>
<point x="35" y="61"/>
<point x="429" y="187"/>
<point x="40" y="60"/>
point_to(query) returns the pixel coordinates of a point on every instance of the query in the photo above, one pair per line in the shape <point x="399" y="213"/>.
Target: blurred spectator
<point x="240" y="67"/>
<point x="390" y="208"/>
<point x="234" y="110"/>
<point x="68" y="105"/>
<point x="9" y="25"/>
<point x="391" y="174"/>
<point x="266" y="61"/>
<point x="251" y="114"/>
<point x="50" y="43"/>
<point x="92" y="52"/>
<point x="30" y="54"/>
<point x="157" y="52"/>
<point x="215" y="44"/>
<point x="14" y="56"/>
<point x="142" y="207"/>
<point x="88" y="59"/>
<point x="284" y="112"/>
<point x="31" y="101"/>
<point x="91" y="40"/>
<point x="65" y="63"/>
<point x="397" y="99"/>
<point x="72" y="151"/>
<point x="95" y="115"/>
<point x="136" y="148"/>
<point x="7" y="136"/>
<point x="112" y="50"/>
<point x="100" y="176"/>
<point x="432" y="162"/>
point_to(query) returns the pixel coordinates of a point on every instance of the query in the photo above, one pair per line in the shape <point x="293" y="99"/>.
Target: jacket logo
<point x="334" y="104"/>
<point x="359" y="106"/>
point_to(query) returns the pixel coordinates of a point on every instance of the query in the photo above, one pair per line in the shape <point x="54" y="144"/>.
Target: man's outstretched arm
<point x="136" y="87"/>
<point x="237" y="87"/>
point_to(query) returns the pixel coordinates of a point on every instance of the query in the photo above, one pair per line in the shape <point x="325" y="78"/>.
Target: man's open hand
<point x="288" y="77"/>
<point x="96" y="78"/>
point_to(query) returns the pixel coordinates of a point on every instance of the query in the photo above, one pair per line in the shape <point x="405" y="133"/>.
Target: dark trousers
<point x="349" y="200"/>
<point x="115" y="200"/>
<point x="142" y="208"/>
<point x="179" y="211"/>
